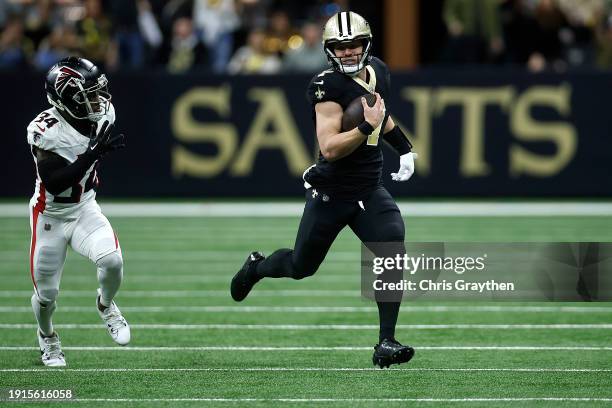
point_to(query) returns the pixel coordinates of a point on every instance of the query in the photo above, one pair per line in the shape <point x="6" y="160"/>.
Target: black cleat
<point x="390" y="351"/>
<point x="245" y="278"/>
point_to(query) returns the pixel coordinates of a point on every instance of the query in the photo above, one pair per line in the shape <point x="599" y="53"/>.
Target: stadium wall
<point x="478" y="133"/>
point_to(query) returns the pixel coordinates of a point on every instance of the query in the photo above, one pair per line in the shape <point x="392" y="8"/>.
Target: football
<point x="353" y="114"/>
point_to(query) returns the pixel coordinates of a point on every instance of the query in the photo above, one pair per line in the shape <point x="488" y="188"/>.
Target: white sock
<point x="110" y="274"/>
<point x="43" y="315"/>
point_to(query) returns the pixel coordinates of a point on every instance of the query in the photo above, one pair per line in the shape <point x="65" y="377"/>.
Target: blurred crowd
<point x="222" y="36"/>
<point x="554" y="35"/>
<point x="275" y="36"/>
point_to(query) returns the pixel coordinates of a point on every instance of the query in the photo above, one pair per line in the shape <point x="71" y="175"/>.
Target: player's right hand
<point x="374" y="115"/>
<point x="104" y="141"/>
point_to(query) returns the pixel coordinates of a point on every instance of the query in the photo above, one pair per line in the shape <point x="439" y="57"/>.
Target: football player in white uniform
<point x="67" y="141"/>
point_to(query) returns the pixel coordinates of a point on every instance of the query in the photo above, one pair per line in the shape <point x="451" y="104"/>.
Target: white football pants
<point x="90" y="234"/>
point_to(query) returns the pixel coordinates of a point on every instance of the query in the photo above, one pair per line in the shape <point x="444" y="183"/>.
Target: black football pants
<point x="376" y="219"/>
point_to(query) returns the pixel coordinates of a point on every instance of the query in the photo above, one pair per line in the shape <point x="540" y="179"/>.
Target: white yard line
<point x="199" y="294"/>
<point x="311" y="348"/>
<point x="294" y="209"/>
<point x="325" y="400"/>
<point x="169" y="256"/>
<point x="207" y="277"/>
<point x="602" y="326"/>
<point x="172" y="254"/>
<point x="327" y="309"/>
<point x="272" y="369"/>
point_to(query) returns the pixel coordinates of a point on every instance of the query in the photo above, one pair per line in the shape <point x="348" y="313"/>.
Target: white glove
<point x="406" y="169"/>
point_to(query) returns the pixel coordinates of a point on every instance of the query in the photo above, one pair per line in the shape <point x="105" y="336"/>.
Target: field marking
<point x="311" y="348"/>
<point x="294" y="209"/>
<point x="194" y="293"/>
<point x="305" y="369"/>
<point x="313" y="400"/>
<point x="173" y="254"/>
<point x="229" y="326"/>
<point x="224" y="276"/>
<point x="327" y="309"/>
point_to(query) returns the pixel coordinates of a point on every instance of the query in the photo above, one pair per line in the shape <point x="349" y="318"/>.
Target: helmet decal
<point x="65" y="77"/>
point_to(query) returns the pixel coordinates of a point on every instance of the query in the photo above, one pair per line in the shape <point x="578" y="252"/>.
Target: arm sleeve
<point x="57" y="175"/>
<point x="398" y="140"/>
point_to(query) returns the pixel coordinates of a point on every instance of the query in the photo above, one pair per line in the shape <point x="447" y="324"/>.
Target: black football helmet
<point x="76" y="86"/>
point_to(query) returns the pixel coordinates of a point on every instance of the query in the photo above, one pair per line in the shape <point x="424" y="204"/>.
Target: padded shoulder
<point x="325" y="86"/>
<point x="44" y="131"/>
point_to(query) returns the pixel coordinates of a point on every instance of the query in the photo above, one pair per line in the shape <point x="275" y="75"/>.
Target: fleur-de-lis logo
<point x="319" y="94"/>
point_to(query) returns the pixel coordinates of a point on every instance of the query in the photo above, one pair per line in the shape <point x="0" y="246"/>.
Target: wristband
<point x="366" y="128"/>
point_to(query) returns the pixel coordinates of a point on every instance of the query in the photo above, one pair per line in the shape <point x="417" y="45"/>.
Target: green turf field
<point x="299" y="343"/>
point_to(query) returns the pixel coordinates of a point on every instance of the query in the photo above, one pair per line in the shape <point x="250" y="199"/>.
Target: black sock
<point x="277" y="265"/>
<point x="387" y="314"/>
<point x="101" y="307"/>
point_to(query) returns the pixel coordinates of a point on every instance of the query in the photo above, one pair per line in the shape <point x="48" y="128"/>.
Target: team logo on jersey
<point x="47" y="227"/>
<point x="67" y="77"/>
<point x="319" y="94"/>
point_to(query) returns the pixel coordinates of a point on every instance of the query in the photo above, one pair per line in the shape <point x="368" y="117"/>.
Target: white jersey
<point x="50" y="131"/>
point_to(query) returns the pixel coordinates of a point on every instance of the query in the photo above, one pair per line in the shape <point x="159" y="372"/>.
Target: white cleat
<point x="51" y="350"/>
<point x="116" y="324"/>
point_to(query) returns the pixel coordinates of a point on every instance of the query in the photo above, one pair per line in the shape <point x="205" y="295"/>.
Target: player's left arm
<point x="395" y="137"/>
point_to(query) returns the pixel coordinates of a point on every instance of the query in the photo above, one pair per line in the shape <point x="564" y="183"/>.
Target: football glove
<point x="406" y="169"/>
<point x="104" y="141"/>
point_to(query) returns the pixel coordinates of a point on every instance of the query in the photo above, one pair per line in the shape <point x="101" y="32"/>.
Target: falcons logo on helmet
<point x="65" y="78"/>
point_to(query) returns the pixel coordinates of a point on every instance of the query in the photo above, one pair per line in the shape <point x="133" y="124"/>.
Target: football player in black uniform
<point x="345" y="186"/>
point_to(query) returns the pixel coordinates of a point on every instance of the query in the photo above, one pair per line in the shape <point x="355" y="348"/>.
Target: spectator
<point x="215" y="22"/>
<point x="253" y="13"/>
<point x="186" y="53"/>
<point x="475" y="31"/>
<point x="309" y="56"/>
<point x="578" y="36"/>
<point x="38" y="20"/>
<point x="520" y="28"/>
<point x="252" y="59"/>
<point x="61" y="43"/>
<point x="130" y="45"/>
<point x="8" y="10"/>
<point x="278" y="34"/>
<point x="548" y="51"/>
<point x="95" y="36"/>
<point x="15" y="48"/>
<point x="149" y="28"/>
<point x="137" y="32"/>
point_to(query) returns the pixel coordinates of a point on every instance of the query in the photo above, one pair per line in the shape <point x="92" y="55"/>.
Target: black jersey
<point x="355" y="176"/>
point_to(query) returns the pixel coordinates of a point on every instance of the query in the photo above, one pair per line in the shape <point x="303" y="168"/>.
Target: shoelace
<point x="114" y="320"/>
<point x="53" y="350"/>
